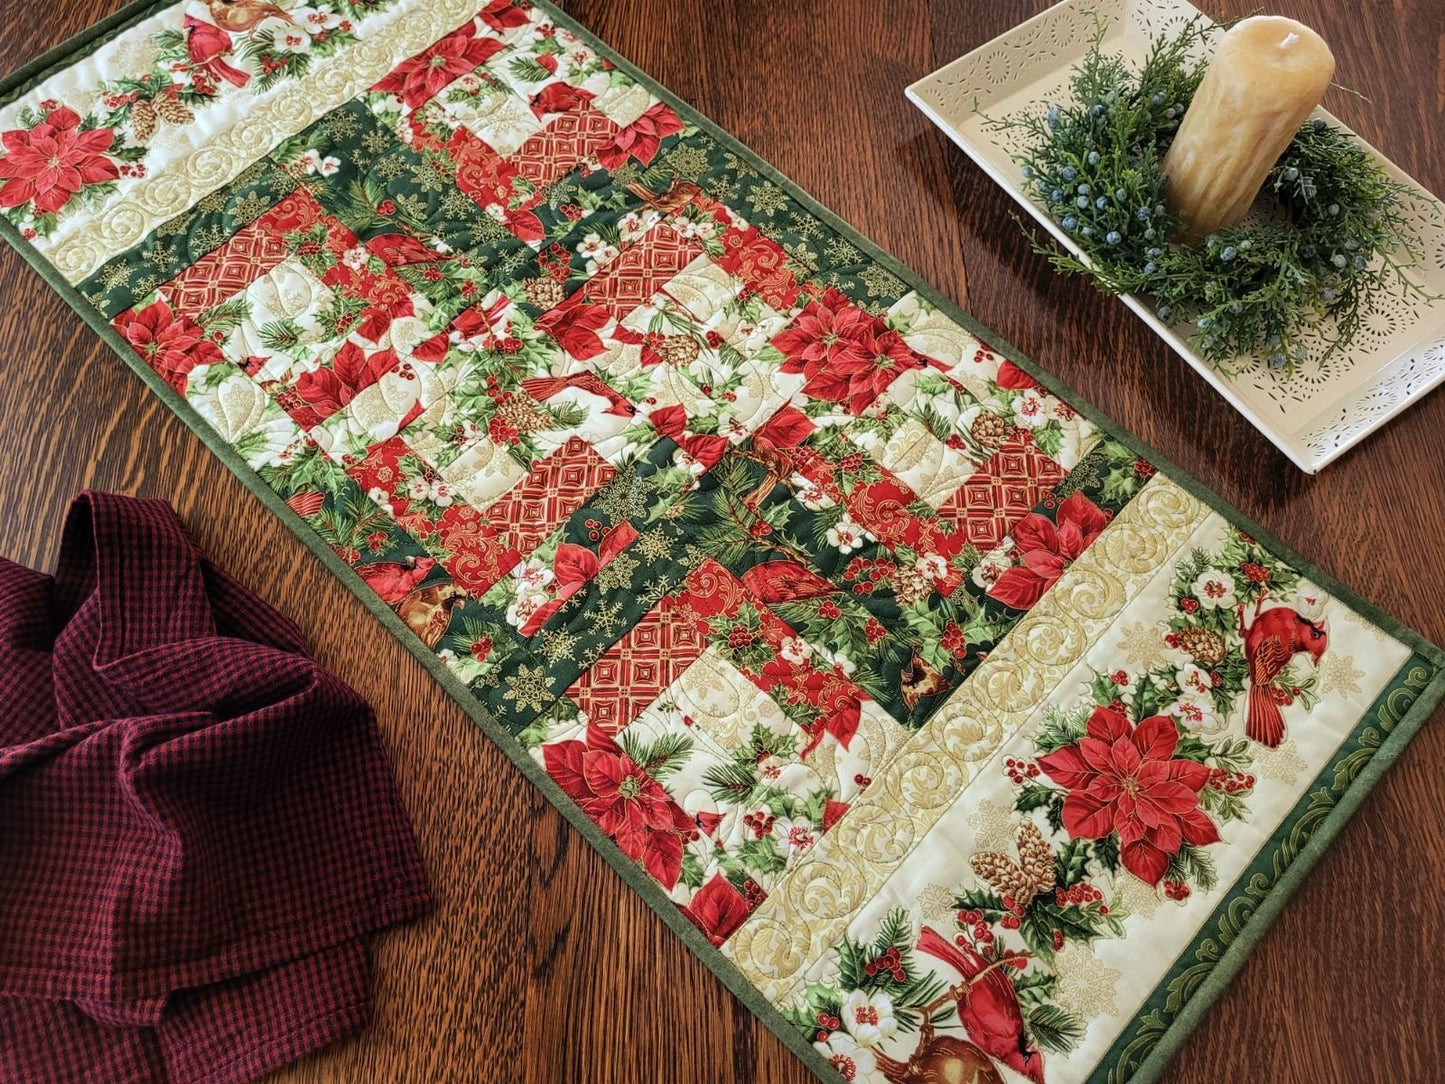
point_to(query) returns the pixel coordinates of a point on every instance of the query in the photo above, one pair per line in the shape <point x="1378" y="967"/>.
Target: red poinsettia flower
<point x="1125" y="780"/>
<point x="1046" y="549"/>
<point x="825" y="328"/>
<point x="862" y="370"/>
<point x="53" y="161"/>
<point x="327" y="390"/>
<point x="624" y="801"/>
<point x="421" y="78"/>
<point x="642" y="138"/>
<point x="718" y="909"/>
<point x="171" y="344"/>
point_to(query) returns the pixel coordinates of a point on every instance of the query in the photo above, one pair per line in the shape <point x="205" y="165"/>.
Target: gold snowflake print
<point x="654" y="544"/>
<point x="690" y="163"/>
<point x="1339" y="674"/>
<point x="993" y="826"/>
<point x="528" y="688"/>
<point x="618" y="573"/>
<point x="428" y="178"/>
<point x="622" y="498"/>
<point x="880" y="281"/>
<point x="1143" y="646"/>
<point x="376" y="141"/>
<point x="936" y="902"/>
<point x="390" y="168"/>
<point x="841" y="251"/>
<point x="250" y="207"/>
<point x="767" y="198"/>
<point x="115" y="275"/>
<point x="558" y="644"/>
<point x="604" y="616"/>
<point x="1283" y="763"/>
<point x="1082" y="984"/>
<point x="1137" y="897"/>
<point x="340" y="125"/>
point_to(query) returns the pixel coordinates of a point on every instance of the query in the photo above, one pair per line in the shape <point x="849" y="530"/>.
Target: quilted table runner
<point x="960" y="736"/>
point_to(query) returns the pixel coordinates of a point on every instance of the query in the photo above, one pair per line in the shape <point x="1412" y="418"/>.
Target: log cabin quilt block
<point x="961" y="737"/>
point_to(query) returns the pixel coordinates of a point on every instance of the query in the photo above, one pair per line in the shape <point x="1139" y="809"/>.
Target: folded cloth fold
<point x="198" y="826"/>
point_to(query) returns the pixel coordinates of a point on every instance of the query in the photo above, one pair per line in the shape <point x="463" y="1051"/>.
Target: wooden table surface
<point x="539" y="965"/>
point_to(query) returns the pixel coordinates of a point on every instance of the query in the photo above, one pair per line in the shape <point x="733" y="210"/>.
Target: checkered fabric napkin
<point x="199" y="824"/>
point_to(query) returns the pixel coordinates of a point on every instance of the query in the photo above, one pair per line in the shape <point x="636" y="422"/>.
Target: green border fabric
<point x="1151" y="1041"/>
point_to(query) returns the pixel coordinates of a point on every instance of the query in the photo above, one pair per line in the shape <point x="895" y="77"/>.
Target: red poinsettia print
<point x="418" y="80"/>
<point x="327" y="390"/>
<point x="718" y="909"/>
<point x="1126" y="780"/>
<point x="1046" y="548"/>
<point x="642" y="138"/>
<point x="51" y="162"/>
<point x="171" y="344"/>
<point x="624" y="801"/>
<point x="847" y="355"/>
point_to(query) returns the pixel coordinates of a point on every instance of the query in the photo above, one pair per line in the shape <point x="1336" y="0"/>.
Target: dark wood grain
<point x="539" y="964"/>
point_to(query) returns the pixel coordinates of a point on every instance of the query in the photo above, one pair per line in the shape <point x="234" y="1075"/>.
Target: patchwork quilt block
<point x="955" y="733"/>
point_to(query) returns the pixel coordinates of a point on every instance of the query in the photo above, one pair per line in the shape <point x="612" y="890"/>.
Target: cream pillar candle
<point x="1267" y="75"/>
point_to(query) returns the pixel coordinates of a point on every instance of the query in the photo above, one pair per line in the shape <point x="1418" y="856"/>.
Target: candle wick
<point x="1289" y="39"/>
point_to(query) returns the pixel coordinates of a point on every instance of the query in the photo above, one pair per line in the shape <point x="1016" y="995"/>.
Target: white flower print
<point x="797" y="835"/>
<point x="1198" y="713"/>
<point x="868" y="1017"/>
<point x="795" y="650"/>
<point x="1194" y="681"/>
<point x="355" y="257"/>
<point x="852" y="1061"/>
<point x="847" y="535"/>
<point x="933" y="566"/>
<point x="1029" y="409"/>
<point x="809" y="494"/>
<point x="1215" y="590"/>
<point x="315" y="163"/>
<point x="381" y="497"/>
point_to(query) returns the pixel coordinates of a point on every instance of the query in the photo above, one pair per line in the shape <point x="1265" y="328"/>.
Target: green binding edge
<point x="1174" y="1035"/>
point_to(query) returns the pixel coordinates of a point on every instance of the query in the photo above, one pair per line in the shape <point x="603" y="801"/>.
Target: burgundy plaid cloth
<point x="198" y="827"/>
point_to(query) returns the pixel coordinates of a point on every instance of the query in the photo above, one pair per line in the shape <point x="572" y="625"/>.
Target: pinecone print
<point x="1204" y="646"/>
<point x="143" y="120"/>
<point x="171" y="110"/>
<point x="911" y="586"/>
<point x="679" y="349"/>
<point x="522" y="414"/>
<point x="545" y="293"/>
<point x="1006" y="878"/>
<point x="1019" y="881"/>
<point x="990" y="430"/>
<point x="1035" y="858"/>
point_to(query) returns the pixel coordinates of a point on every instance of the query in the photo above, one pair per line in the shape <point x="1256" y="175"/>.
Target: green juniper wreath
<point x="1326" y="238"/>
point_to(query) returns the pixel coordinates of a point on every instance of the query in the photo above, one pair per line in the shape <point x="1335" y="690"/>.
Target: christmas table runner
<point x="952" y="729"/>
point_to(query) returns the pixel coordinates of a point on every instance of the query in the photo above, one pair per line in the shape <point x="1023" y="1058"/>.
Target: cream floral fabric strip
<point x="808" y="912"/>
<point x="982" y="840"/>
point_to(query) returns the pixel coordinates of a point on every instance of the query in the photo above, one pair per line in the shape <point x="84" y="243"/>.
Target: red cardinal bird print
<point x="1270" y="642"/>
<point x="543" y="388"/>
<point x="988" y="1006"/>
<point x="205" y="46"/>
<point x="394" y="580"/>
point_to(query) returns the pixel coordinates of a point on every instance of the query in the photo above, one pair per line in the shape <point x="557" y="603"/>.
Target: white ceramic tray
<point x="1325" y="406"/>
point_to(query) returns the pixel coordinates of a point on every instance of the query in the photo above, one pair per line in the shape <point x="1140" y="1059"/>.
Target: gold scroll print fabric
<point x="945" y="718"/>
